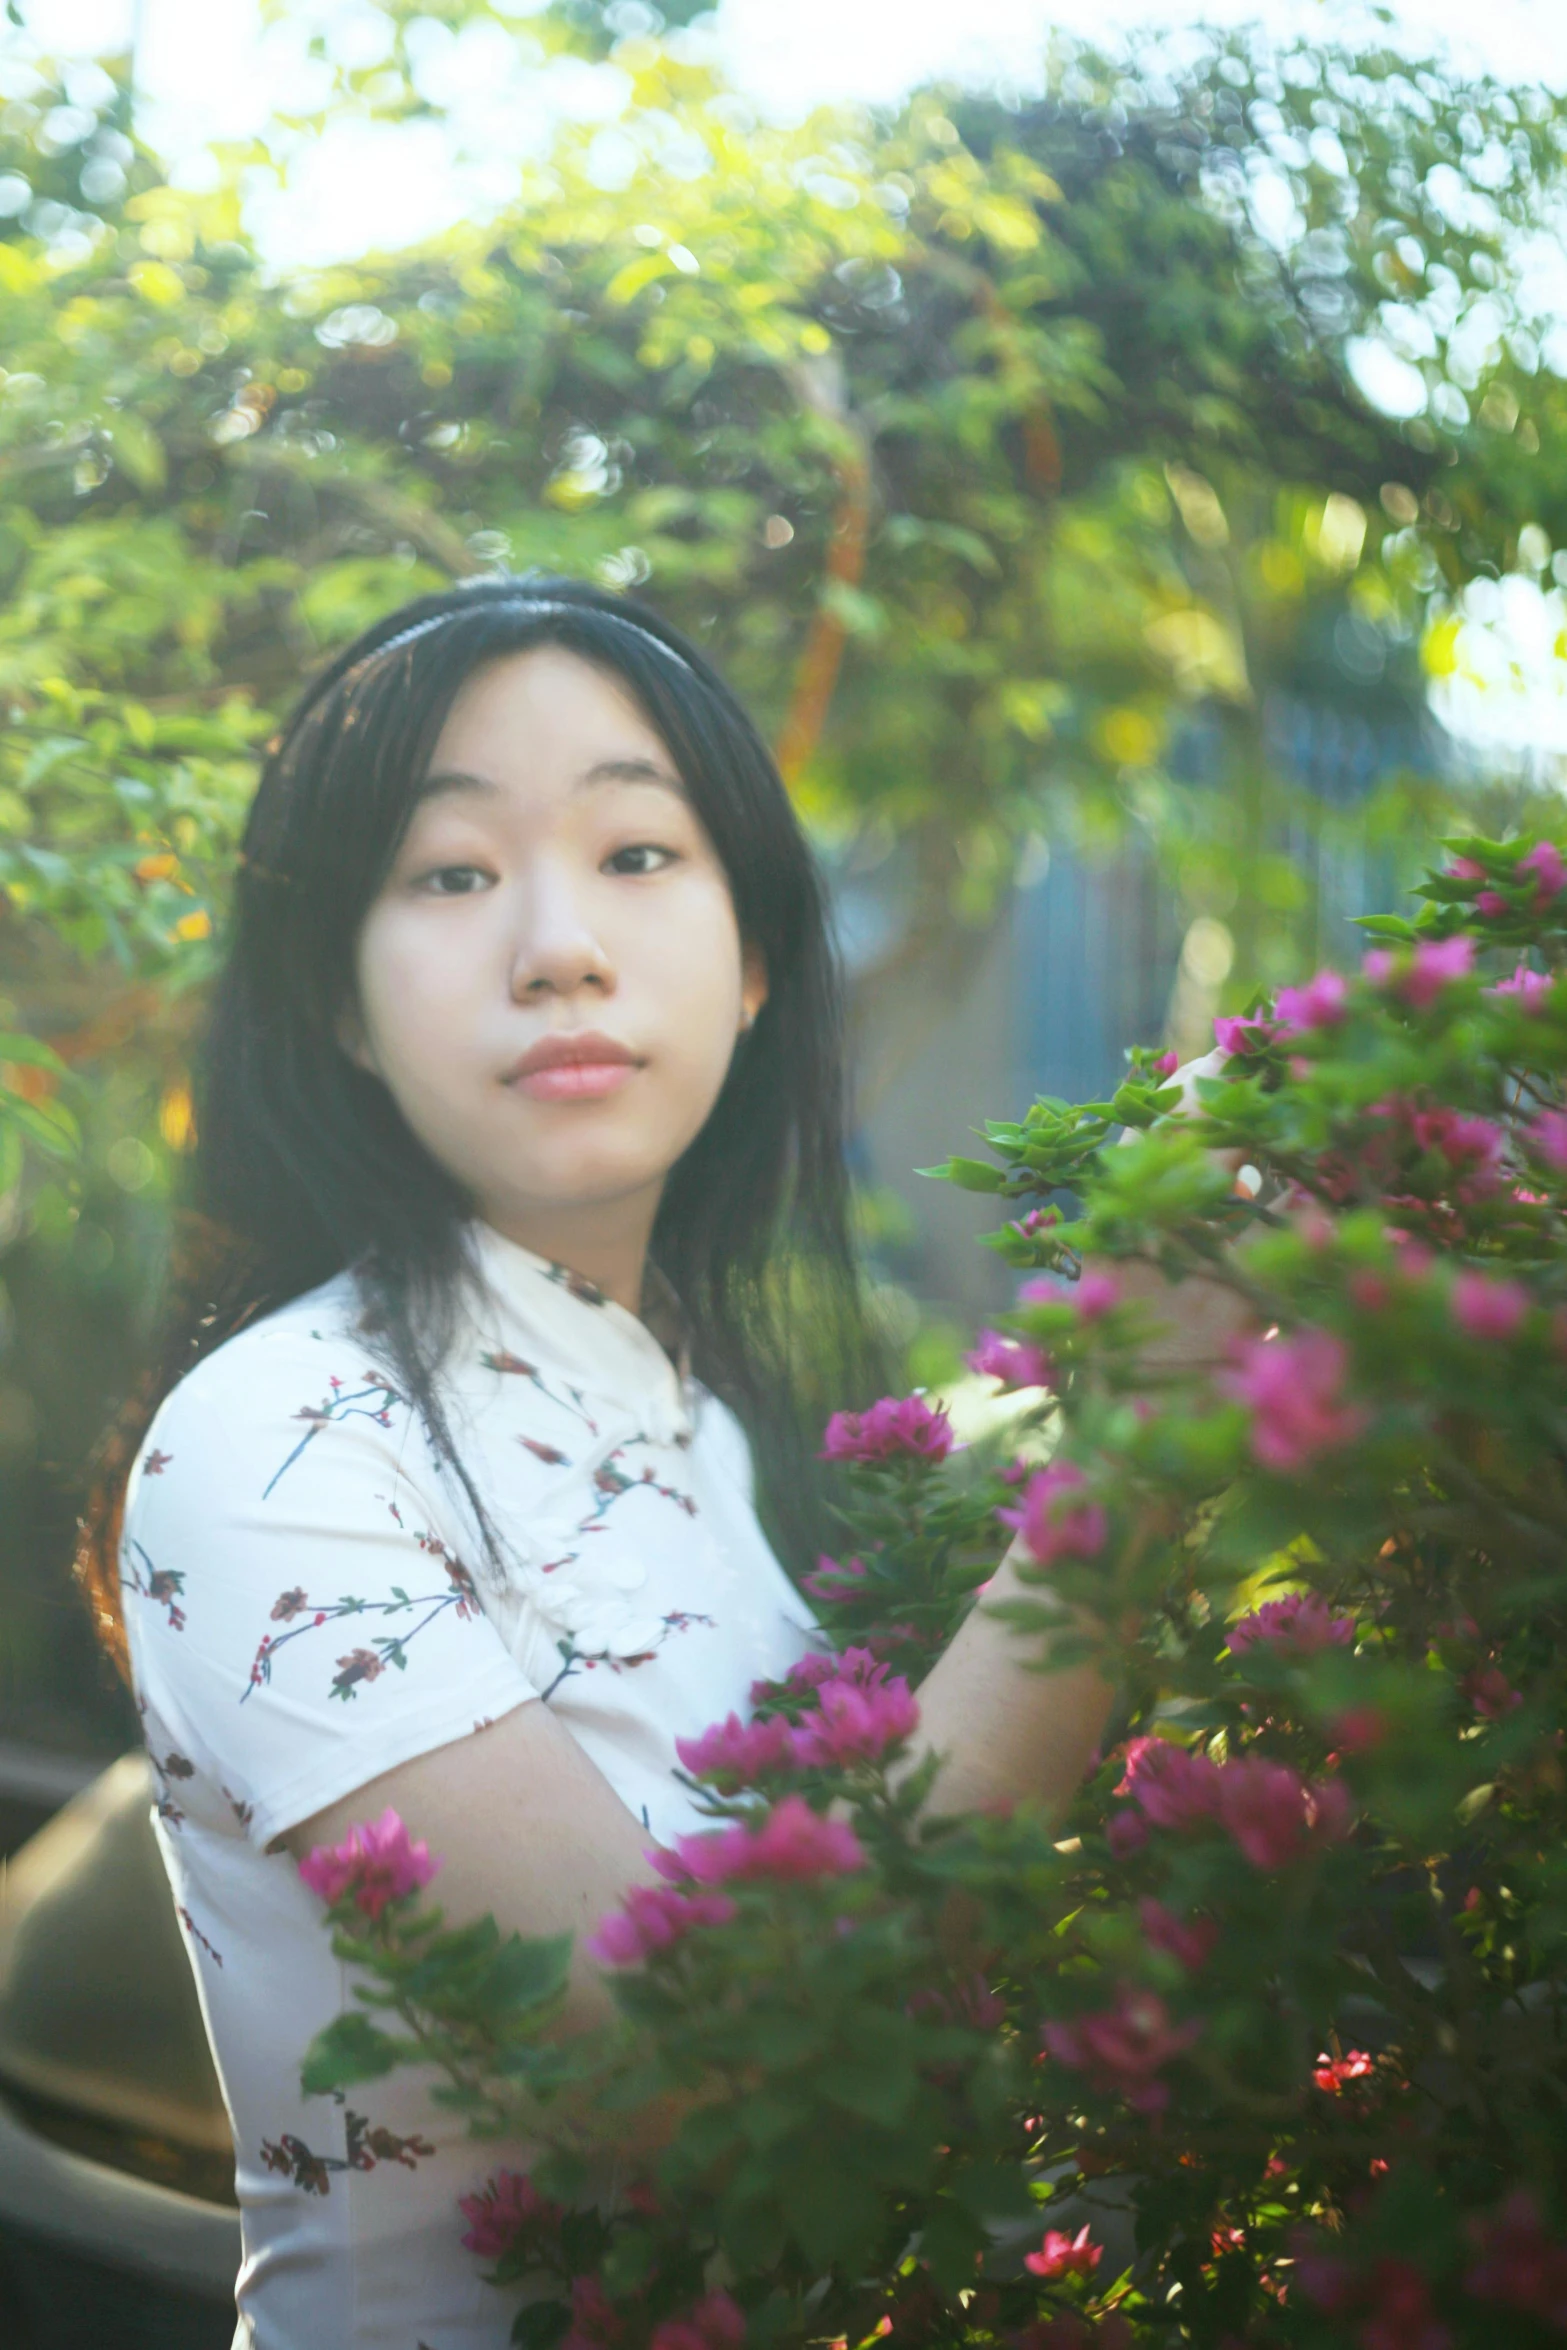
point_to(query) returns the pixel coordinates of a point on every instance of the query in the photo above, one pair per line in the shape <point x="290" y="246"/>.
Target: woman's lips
<point x="576" y="1081"/>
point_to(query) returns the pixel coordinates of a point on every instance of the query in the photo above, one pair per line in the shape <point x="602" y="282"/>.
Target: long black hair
<point x="303" y="1164"/>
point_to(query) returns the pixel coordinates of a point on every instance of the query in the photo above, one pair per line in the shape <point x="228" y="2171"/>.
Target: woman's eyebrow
<point x="631" y="771"/>
<point x="449" y="782"/>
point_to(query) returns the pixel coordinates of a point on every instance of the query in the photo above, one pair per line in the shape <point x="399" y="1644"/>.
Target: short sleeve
<point x="300" y="1609"/>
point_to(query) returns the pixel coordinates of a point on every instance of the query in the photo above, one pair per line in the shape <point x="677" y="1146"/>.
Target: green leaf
<point x="541" y="2324"/>
<point x="527" y="1972"/>
<point x="831" y="2208"/>
<point x="878" y="2092"/>
<point x="30" y="1052"/>
<point x="350" y="2049"/>
<point x="952" y="2242"/>
<point x="138" y="451"/>
<point x="1386" y="926"/>
<point x="998" y="2193"/>
<point x="967" y="1174"/>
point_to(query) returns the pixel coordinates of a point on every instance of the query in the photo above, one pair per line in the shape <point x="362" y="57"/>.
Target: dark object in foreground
<point x="117" y="2222"/>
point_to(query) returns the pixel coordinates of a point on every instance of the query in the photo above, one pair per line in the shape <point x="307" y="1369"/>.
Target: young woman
<point x="521" y="1138"/>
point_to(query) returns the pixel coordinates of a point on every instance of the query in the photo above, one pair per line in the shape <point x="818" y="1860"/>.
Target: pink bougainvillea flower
<point x="897" y="1428"/>
<point x="596" y="2324"/>
<point x="735" y="1754"/>
<point x="1061" y="2255"/>
<point x="860" y="1666"/>
<point x="1490" y="1693"/>
<point x="1486" y="1309"/>
<point x="1321" y="1003"/>
<point x="1092" y="1294"/>
<point x="1244" y="1035"/>
<point x="714" y="2323"/>
<point x="1165" y="1065"/>
<point x="1530" y="987"/>
<point x="969" y="2002"/>
<point x="1548" y="1137"/>
<point x="1126" y="1832"/>
<point x="1124" y="2047"/>
<point x="1174" y="1788"/>
<point x="1274" y="1816"/>
<point x="1359" y="1729"/>
<point x="793" y="1842"/>
<point x="1521" y="2266"/>
<point x="1334" y="2074"/>
<point x="1473" y="1147"/>
<point x="1036" y="1221"/>
<point x="1293" y="1387"/>
<point x="855" y="1724"/>
<point x="377" y="1863"/>
<point x="1300" y="1625"/>
<point x="1546" y="864"/>
<point x="835" y="1579"/>
<point x="1014" y="1361"/>
<point x="1096" y="1293"/>
<point x="654" y="1917"/>
<point x="1189" y="1941"/>
<point x="1053" y="1521"/>
<point x="1464" y="869"/>
<point x="1419" y="980"/>
<point x="504" y="2208"/>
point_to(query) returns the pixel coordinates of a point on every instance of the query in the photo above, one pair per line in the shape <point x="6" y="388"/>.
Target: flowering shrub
<point x="1264" y="2044"/>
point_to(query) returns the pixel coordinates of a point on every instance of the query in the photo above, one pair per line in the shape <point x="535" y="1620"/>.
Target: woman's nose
<point x="557" y="948"/>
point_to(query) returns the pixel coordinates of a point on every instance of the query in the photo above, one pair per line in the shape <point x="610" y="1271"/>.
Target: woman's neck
<point x="607" y="1243"/>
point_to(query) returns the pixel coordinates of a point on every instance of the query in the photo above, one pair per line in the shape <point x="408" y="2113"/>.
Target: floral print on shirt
<point x="366" y="1664"/>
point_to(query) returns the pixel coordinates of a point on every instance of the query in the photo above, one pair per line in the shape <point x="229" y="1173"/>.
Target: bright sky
<point x="208" y="70"/>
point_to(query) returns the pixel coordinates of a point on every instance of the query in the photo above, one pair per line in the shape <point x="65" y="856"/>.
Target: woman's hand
<point x="1201" y="1317"/>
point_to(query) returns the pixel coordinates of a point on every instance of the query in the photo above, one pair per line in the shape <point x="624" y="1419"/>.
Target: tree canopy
<point x="1014" y="461"/>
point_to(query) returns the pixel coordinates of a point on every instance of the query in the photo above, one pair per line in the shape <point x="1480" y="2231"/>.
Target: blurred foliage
<point x="1010" y="461"/>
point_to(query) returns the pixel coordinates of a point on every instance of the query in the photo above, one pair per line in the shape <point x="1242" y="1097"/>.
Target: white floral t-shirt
<point x="308" y="1605"/>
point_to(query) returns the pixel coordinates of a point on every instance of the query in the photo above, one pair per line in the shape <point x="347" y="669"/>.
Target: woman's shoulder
<point x="302" y="1360"/>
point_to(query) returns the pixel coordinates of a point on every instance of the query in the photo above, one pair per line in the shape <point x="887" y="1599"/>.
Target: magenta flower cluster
<point x="652" y="1917"/>
<point x="1244" y="1035"/>
<point x="1300" y="1625"/>
<point x="1322" y="1003"/>
<point x="835" y="1579"/>
<point x="1055" y="1520"/>
<point x="898" y="1427"/>
<point x="1014" y="1361"/>
<point x="1271" y="1813"/>
<point x="791" y="1845"/>
<point x="1293" y="1388"/>
<point x="1419" y="978"/>
<point x="855" y="1720"/>
<point x="1091" y="1295"/>
<point x="1488" y="1309"/>
<point x="1061" y="2255"/>
<point x="716" y="2322"/>
<point x="1124" y="2047"/>
<point x="1544" y="863"/>
<point x="506" y="2207"/>
<point x="1530" y="987"/>
<point x="375" y="1864"/>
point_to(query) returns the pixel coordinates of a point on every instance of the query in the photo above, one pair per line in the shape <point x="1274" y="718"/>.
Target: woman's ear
<point x="753" y="985"/>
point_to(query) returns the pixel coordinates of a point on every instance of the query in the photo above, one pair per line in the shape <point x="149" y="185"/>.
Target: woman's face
<point x="554" y="884"/>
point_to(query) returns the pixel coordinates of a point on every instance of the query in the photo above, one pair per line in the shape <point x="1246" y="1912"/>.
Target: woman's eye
<point x="640" y="849"/>
<point x="453" y="881"/>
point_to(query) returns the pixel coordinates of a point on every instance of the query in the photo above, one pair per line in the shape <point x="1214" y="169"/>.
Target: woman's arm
<point x="526" y="1828"/>
<point x="1006" y="1732"/>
